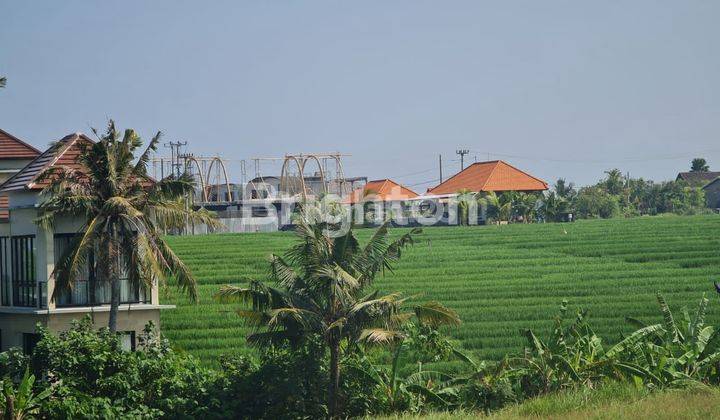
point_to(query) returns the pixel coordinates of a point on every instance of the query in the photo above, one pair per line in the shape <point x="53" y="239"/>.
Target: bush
<point x="286" y="383"/>
<point x="91" y="377"/>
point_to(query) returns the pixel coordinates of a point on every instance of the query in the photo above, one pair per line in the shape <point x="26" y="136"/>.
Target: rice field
<point x="498" y="278"/>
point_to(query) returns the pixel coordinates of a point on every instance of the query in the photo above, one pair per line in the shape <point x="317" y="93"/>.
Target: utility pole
<point x="462" y="153"/>
<point x="440" y="157"/>
<point x="175" y="155"/>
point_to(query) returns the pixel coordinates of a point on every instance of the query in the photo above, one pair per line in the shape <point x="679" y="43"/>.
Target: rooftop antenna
<point x="462" y="153"/>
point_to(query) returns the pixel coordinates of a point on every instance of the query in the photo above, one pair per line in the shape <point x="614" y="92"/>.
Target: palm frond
<point x="434" y="314"/>
<point x="379" y="336"/>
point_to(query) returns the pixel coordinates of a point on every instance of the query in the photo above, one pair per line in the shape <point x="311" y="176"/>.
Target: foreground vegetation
<point x="330" y="345"/>
<point x="610" y="401"/>
<point x="84" y="374"/>
<point x="499" y="279"/>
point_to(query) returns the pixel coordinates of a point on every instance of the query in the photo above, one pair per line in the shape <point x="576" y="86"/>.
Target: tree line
<point x="616" y="195"/>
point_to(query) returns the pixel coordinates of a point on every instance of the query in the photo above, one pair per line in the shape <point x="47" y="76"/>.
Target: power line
<point x="622" y="160"/>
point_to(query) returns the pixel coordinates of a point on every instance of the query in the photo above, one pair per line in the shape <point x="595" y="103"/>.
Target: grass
<point x="613" y="401"/>
<point x="498" y="278"/>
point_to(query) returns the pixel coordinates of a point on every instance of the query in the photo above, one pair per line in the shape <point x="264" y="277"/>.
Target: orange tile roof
<point x="63" y="153"/>
<point x="381" y="190"/>
<point x="12" y="147"/>
<point x="495" y="175"/>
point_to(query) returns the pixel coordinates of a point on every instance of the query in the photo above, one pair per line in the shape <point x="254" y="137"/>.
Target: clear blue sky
<point x="566" y="89"/>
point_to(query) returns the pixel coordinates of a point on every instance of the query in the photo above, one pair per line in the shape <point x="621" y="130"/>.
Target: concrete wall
<point x="13" y="325"/>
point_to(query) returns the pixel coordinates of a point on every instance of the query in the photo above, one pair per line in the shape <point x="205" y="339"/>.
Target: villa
<point x="28" y="254"/>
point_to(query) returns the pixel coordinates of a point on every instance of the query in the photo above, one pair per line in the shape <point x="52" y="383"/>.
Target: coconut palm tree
<point x="321" y="292"/>
<point x="465" y="202"/>
<point x="524" y="205"/>
<point x="124" y="212"/>
<point x="498" y="206"/>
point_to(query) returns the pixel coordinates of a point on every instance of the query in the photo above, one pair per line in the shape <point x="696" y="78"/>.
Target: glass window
<point x="24" y="285"/>
<point x="5" y="271"/>
<point x="88" y="289"/>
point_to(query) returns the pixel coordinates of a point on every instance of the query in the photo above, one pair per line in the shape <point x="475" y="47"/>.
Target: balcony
<point x="89" y="293"/>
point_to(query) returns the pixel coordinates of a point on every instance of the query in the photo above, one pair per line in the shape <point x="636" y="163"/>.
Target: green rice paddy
<point x="498" y="278"/>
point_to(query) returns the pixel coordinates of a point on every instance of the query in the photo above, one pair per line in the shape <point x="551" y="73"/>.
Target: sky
<point x="557" y="88"/>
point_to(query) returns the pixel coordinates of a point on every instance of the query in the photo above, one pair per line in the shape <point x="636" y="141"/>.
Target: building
<point x="28" y="254"/>
<point x="381" y="190"/>
<point x="697" y="179"/>
<point x="495" y="175"/>
<point x="264" y="187"/>
<point x="712" y="194"/>
<point x="14" y="155"/>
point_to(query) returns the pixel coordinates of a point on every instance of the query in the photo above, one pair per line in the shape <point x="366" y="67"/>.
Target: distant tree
<point x="498" y="207"/>
<point x="564" y="189"/>
<point x="593" y="202"/>
<point x="465" y="199"/>
<point x="3" y="81"/>
<point x="614" y="182"/>
<point x="553" y="207"/>
<point x="524" y="206"/>
<point x="699" y="165"/>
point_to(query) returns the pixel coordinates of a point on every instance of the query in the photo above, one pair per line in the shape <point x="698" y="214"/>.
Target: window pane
<point x="23" y="271"/>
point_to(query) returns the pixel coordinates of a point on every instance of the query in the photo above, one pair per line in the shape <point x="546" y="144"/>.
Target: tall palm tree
<point x="320" y="292"/>
<point x="3" y="80"/>
<point x="124" y="212"/>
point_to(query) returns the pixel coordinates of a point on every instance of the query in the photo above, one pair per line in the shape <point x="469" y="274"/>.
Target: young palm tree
<point x="524" y="205"/>
<point x="498" y="206"/>
<point x="124" y="212"/>
<point x="466" y="201"/>
<point x="321" y="293"/>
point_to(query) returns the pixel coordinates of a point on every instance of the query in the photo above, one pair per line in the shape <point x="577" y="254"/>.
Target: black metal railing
<point x="93" y="292"/>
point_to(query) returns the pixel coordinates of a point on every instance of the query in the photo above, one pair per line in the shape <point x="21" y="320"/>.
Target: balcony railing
<point x="82" y="294"/>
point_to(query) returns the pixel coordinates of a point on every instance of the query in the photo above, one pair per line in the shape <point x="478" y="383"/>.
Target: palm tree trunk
<point x="334" y="378"/>
<point x="9" y="407"/>
<point x="114" y="303"/>
<point x="114" y="274"/>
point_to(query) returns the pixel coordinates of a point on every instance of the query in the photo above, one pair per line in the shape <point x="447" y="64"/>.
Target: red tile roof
<point x="381" y="190"/>
<point x="12" y="147"/>
<point x="4" y="208"/>
<point x="494" y="175"/>
<point x="63" y="153"/>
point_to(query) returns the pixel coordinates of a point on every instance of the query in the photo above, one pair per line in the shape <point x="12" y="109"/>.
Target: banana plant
<point x="573" y="354"/>
<point x="672" y="352"/>
<point x="21" y="402"/>
<point x="432" y="386"/>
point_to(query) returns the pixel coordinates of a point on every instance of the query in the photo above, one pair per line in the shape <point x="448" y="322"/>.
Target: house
<point x="381" y="190"/>
<point x="712" y="194"/>
<point x="382" y="198"/>
<point x="29" y="252"/>
<point x="494" y="175"/>
<point x="14" y="155"/>
<point x="697" y="179"/>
